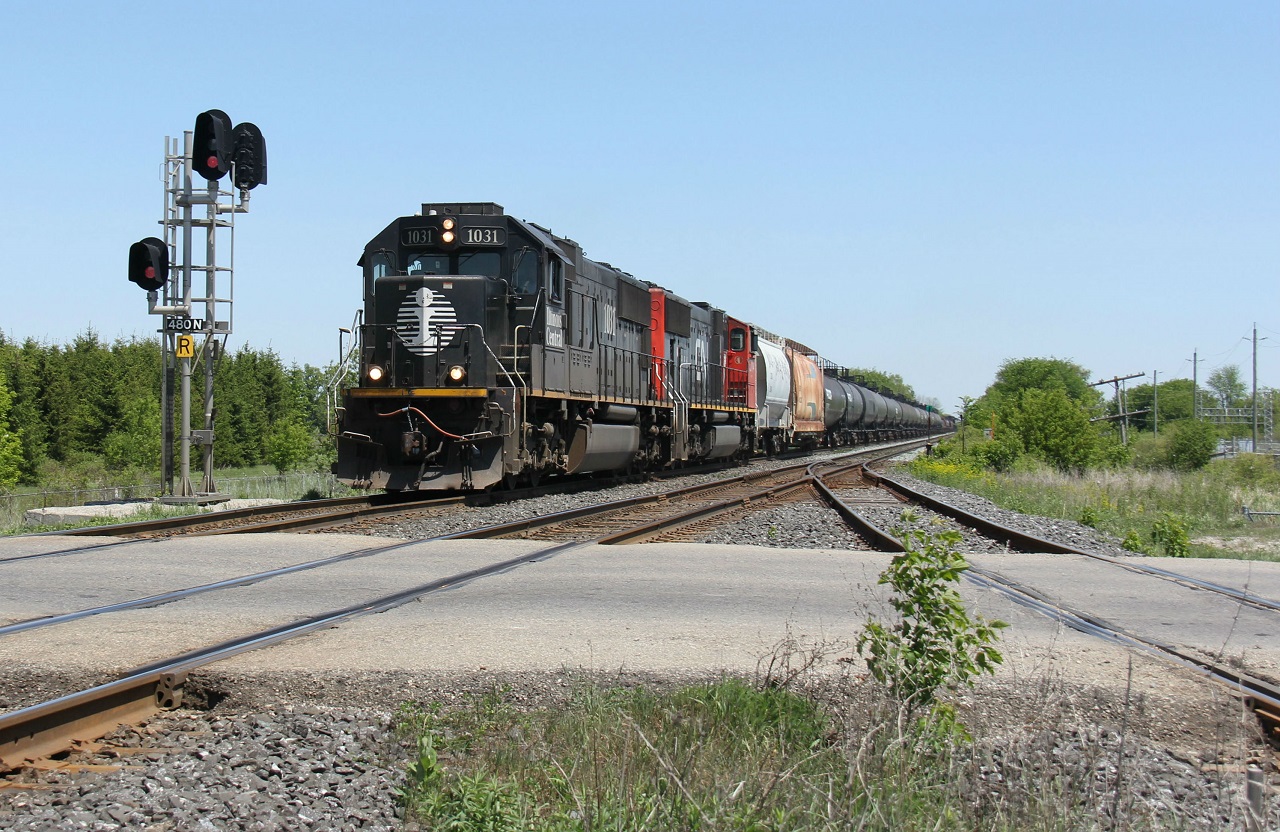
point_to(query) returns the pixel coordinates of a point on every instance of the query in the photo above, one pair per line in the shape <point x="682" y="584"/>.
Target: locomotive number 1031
<point x="484" y="236"/>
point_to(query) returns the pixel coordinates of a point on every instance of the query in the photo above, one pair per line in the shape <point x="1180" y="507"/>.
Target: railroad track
<point x="1261" y="695"/>
<point x="48" y="727"/>
<point x="357" y="512"/>
<point x="56" y="725"/>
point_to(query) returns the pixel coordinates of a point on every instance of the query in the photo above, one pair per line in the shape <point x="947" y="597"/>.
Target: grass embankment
<point x="1196" y="513"/>
<point x="723" y="755"/>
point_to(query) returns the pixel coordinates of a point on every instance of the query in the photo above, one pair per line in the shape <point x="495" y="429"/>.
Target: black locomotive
<point x="492" y="350"/>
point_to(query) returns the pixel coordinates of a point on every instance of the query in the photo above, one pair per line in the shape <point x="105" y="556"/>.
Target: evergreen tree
<point x="10" y="444"/>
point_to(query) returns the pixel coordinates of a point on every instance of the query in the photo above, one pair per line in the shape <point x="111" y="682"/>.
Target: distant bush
<point x="1246" y="471"/>
<point x="998" y="454"/>
<point x="1191" y="445"/>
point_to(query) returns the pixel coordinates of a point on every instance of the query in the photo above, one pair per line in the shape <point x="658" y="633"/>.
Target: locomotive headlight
<point x="457" y="373"/>
<point x="374" y="373"/>
<point x="448" y="224"/>
<point x="447" y="237"/>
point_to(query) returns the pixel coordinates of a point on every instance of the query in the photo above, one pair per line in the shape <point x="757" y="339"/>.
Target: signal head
<point x="249" y="156"/>
<point x="212" y="145"/>
<point x="149" y="263"/>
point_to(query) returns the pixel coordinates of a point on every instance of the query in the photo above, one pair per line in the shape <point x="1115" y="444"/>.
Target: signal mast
<point x="195" y="327"/>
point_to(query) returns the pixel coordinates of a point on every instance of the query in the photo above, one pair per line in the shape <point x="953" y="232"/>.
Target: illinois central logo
<point x="426" y="322"/>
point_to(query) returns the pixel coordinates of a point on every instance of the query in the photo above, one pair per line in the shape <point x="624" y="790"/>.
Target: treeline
<point x="89" y="412"/>
<point x="1045" y="409"/>
<point x="883" y="382"/>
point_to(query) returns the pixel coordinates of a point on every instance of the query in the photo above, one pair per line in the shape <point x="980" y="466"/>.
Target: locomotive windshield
<point x="487" y="263"/>
<point x="421" y="263"/>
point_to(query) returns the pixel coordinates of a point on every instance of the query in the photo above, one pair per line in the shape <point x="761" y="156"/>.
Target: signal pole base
<point x="206" y="499"/>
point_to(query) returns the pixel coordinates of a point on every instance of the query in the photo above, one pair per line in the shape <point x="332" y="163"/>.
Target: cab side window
<point x="737" y="339"/>
<point x="555" y="279"/>
<point x="524" y="275"/>
<point x="383" y="263"/>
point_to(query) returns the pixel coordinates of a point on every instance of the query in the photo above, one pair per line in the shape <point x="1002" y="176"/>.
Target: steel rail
<point x="1263" y="697"/>
<point x="53" y="726"/>
<point x="187" y="520"/>
<point x="1032" y="543"/>
<point x="179" y="594"/>
<point x="256" y="577"/>
<point x="49" y="727"/>
<point x="644" y="531"/>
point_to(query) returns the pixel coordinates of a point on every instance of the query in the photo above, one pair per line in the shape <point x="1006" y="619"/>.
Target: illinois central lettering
<point x="555" y="328"/>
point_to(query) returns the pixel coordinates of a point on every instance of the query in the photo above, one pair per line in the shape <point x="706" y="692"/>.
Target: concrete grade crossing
<point x="655" y="607"/>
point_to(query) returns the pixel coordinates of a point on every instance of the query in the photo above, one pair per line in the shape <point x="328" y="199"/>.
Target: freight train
<point x="492" y="351"/>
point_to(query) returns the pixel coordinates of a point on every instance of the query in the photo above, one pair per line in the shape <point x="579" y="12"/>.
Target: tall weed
<point x="1128" y="502"/>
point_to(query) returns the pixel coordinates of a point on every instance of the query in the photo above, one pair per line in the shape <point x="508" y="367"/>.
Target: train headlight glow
<point x="448" y="224"/>
<point x="447" y="237"/>
<point x="457" y="373"/>
<point x="374" y="373"/>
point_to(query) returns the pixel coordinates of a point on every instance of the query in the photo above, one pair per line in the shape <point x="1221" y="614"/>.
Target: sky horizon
<point x="927" y="190"/>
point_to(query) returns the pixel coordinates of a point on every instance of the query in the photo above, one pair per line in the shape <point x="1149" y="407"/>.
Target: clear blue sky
<point x="925" y="188"/>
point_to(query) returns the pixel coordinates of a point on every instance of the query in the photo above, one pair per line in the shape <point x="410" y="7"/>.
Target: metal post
<point x="184" y="439"/>
<point x="1195" y="385"/>
<point x="1254" y="785"/>
<point x="171" y="185"/>
<point x="210" y="314"/>
<point x="1155" y="402"/>
<point x="1255" y="387"/>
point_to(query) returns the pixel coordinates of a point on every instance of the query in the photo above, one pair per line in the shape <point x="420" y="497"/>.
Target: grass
<point x="1136" y="505"/>
<point x="734" y="755"/>
<point x="719" y="755"/>
<point x="260" y="482"/>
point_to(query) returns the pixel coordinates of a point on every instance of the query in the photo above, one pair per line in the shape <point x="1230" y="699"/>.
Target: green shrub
<point x="1133" y="543"/>
<point x="1191" y="445"/>
<point x="1148" y="451"/>
<point x="1169" y="532"/>
<point x="935" y="644"/>
<point x="1247" y="471"/>
<point x="1089" y="517"/>
<point x="998" y="454"/>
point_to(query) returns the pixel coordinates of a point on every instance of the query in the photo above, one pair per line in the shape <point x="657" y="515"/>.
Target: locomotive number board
<point x="476" y="236"/>
<point x="469" y="236"/>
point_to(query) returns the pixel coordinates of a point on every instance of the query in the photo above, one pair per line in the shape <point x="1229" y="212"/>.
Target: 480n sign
<point x="178" y="323"/>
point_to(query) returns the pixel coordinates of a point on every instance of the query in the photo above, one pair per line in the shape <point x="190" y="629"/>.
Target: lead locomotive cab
<point x="453" y="300"/>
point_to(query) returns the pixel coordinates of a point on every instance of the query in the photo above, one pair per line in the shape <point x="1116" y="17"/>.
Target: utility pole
<point x="1155" y="402"/>
<point x="1195" y="385"/>
<point x="1255" y="387"/>
<point x="1121" y="405"/>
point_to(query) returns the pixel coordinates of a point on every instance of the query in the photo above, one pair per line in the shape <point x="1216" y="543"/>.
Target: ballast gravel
<point x="1062" y="531"/>
<point x="327" y="758"/>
